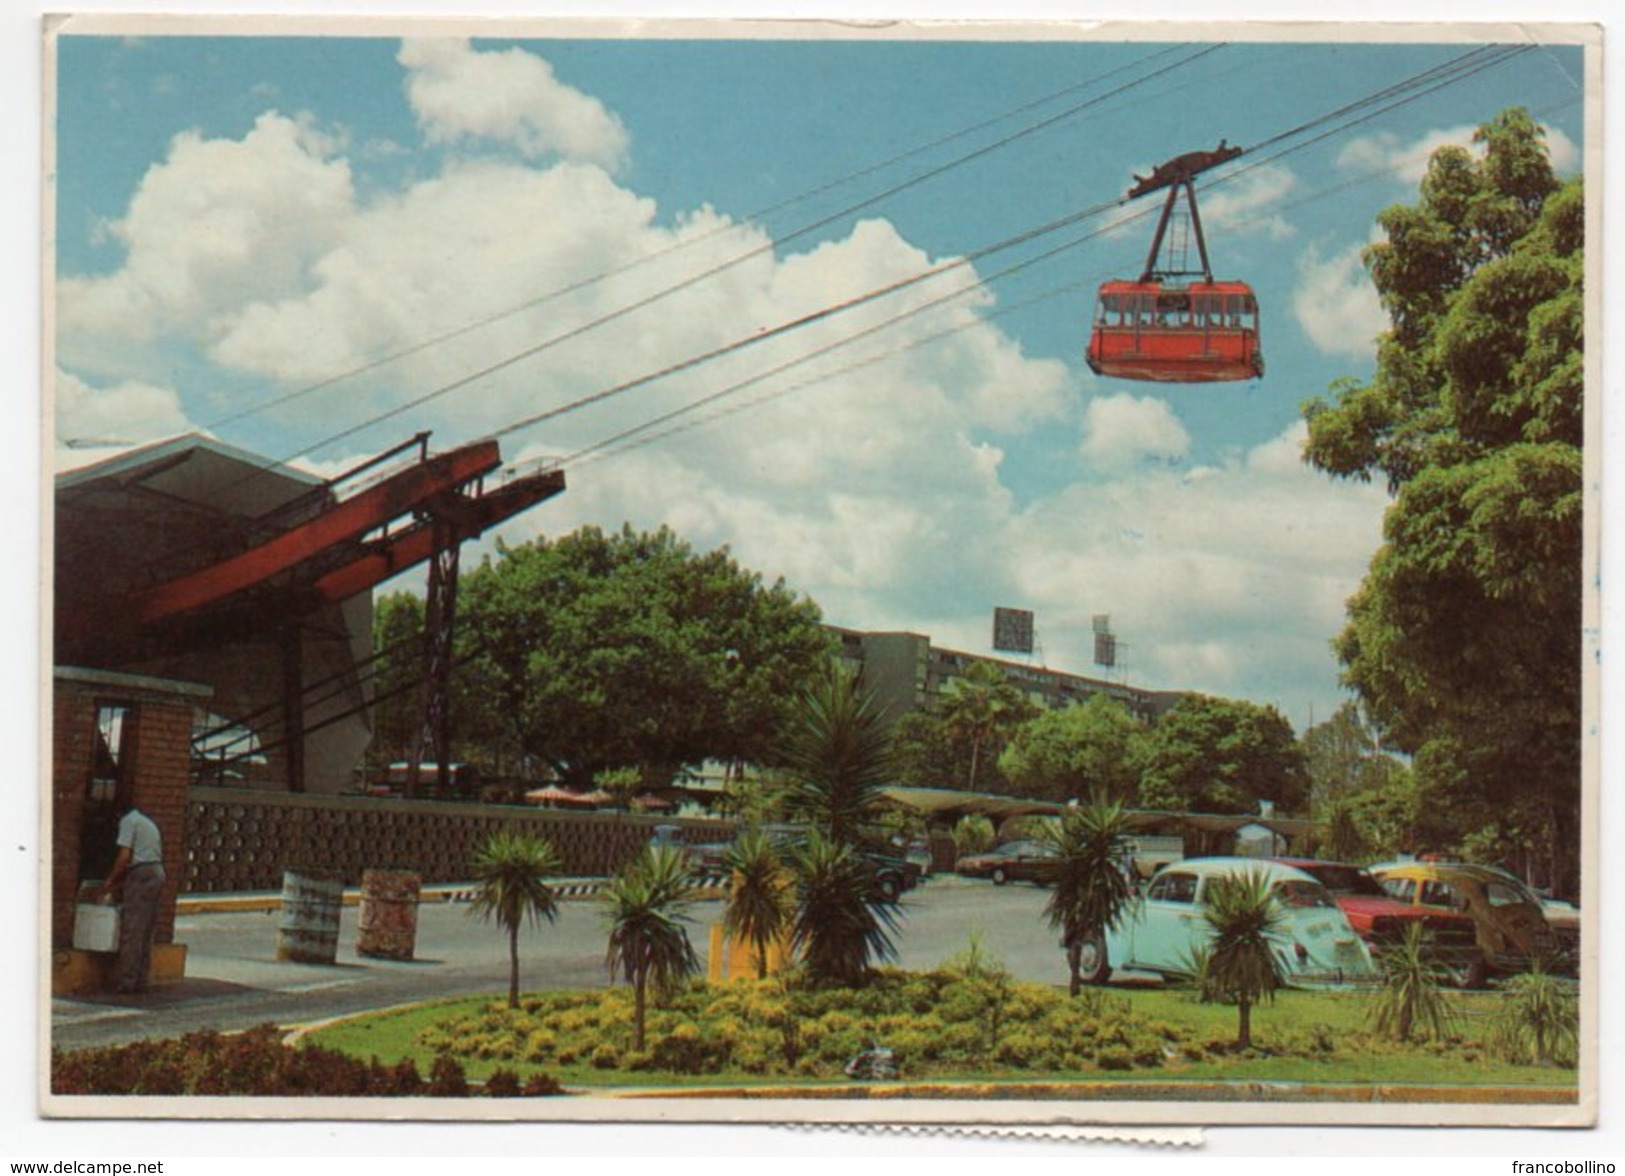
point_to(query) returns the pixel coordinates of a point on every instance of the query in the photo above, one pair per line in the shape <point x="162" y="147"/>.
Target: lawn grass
<point x="1311" y="1038"/>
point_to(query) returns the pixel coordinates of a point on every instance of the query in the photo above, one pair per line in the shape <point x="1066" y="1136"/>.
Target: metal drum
<point x="311" y="903"/>
<point x="387" y="923"/>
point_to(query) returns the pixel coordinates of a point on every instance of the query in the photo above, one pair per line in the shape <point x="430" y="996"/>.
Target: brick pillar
<point x="157" y="751"/>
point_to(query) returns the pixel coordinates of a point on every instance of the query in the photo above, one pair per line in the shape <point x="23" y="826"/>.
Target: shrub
<point x="1411" y="1001"/>
<point x="502" y="1084"/>
<point x="252" y="1063"/>
<point x="1539" y="1021"/>
<point x="540" y="1085"/>
<point x="973" y="834"/>
<point x="446" y="1078"/>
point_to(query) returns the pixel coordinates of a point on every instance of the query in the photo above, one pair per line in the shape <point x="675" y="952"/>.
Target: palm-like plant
<point x="1411" y="1000"/>
<point x="759" y="894"/>
<point x="837" y="755"/>
<point x="510" y="870"/>
<point x="648" y="943"/>
<point x="1539" y="1021"/>
<point x="1240" y="910"/>
<point x="840" y="923"/>
<point x="1092" y="889"/>
<point x="978" y="705"/>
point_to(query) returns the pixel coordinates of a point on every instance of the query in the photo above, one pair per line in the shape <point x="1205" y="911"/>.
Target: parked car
<point x="892" y="875"/>
<point x="1511" y="927"/>
<point x="1014" y="861"/>
<point x="1166" y="932"/>
<point x="1381" y="920"/>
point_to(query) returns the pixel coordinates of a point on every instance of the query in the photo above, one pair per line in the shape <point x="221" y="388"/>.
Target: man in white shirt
<point x="138" y="872"/>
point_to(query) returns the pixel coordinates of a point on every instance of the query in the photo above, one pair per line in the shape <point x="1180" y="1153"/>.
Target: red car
<point x="1381" y="920"/>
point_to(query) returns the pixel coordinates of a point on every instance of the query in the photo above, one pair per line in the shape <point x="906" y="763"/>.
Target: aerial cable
<point x="639" y="436"/>
<point x="769" y="246"/>
<point x="715" y="353"/>
<point x="968" y="259"/>
<point x="867" y="332"/>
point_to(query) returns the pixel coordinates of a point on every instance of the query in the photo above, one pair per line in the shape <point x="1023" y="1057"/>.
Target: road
<point x="234" y="980"/>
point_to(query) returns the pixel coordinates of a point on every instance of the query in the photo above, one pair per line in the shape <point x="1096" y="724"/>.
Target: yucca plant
<point x="1539" y="1021"/>
<point x="841" y="925"/>
<point x="1241" y="911"/>
<point x="510" y="871"/>
<point x="648" y="943"/>
<point x="760" y="899"/>
<point x="1092" y="889"/>
<point x="1412" y="1002"/>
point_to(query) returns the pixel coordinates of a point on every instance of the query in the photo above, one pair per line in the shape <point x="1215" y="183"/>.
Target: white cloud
<point x="877" y="489"/>
<point x="1408" y="158"/>
<point x="121" y="414"/>
<point x="1123" y="429"/>
<point x="218" y="223"/>
<point x="1215" y="582"/>
<point x="510" y="96"/>
<point x="1336" y="304"/>
<point x="1244" y="204"/>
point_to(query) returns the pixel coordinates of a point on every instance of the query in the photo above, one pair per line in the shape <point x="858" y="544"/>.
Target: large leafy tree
<point x="1344" y="757"/>
<point x="1077" y="750"/>
<point x="632" y="650"/>
<point x="1223" y="755"/>
<point x="1464" y="639"/>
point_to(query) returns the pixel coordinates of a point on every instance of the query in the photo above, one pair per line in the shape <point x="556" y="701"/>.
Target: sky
<point x="314" y="247"/>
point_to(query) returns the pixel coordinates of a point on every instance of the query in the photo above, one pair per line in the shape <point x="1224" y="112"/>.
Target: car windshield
<point x="1346" y="880"/>
<point x="1295" y="893"/>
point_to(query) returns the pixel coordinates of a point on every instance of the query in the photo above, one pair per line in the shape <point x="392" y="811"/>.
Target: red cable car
<point x="1177" y="325"/>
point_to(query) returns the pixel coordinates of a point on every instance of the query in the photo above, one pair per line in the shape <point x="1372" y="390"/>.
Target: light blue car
<point x="1164" y="931"/>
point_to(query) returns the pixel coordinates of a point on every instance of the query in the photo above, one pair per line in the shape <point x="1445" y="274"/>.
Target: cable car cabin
<point x="1185" y="333"/>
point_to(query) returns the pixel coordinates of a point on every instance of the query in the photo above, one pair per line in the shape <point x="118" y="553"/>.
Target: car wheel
<point x="1094" y="966"/>
<point x="1000" y="877"/>
<point x="888" y="888"/>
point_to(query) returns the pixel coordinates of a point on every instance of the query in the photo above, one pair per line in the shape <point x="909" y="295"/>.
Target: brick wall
<point x="242" y="840"/>
<point x="156" y="750"/>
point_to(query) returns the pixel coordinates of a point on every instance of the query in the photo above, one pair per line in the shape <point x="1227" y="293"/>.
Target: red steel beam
<point x="347" y="520"/>
<point x="470" y="518"/>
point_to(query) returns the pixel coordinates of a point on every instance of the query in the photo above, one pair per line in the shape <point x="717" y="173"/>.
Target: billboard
<point x="1013" y="630"/>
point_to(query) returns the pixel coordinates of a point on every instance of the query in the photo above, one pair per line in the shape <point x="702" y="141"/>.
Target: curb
<point x="574" y="889"/>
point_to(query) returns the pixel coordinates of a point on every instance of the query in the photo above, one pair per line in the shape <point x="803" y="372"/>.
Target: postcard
<point x="741" y="571"/>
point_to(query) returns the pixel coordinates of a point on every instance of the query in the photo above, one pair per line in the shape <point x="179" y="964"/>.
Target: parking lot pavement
<point x="234" y="980"/>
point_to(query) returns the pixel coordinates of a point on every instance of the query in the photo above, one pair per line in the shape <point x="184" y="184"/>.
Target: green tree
<point x="1343" y="756"/>
<point x="648" y="943"/>
<point x="1223" y="756"/>
<point x="983" y="707"/>
<point x="928" y="753"/>
<point x="841" y="925"/>
<point x="1076" y="750"/>
<point x="835" y="750"/>
<point x="1464" y="639"/>
<point x="510" y="871"/>
<point x="397" y="710"/>
<point x="1092" y="887"/>
<point x="631" y="650"/>
<point x="1241" y="913"/>
<point x="760" y="899"/>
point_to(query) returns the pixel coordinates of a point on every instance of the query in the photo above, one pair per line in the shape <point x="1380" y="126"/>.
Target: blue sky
<point x="240" y="218"/>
